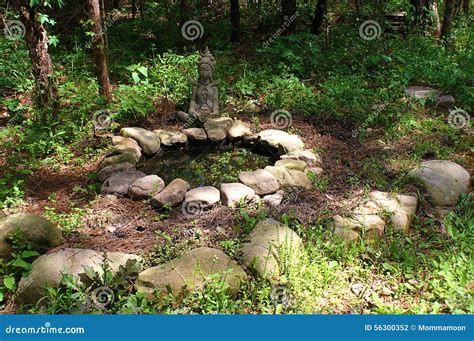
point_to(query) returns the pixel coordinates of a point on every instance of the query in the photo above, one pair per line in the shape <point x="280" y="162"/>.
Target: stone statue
<point x="205" y="98"/>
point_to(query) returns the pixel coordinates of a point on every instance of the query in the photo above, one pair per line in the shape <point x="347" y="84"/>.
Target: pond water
<point x="204" y="164"/>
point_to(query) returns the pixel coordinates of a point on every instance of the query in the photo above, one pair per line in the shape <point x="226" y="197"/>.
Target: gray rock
<point x="281" y="140"/>
<point x="146" y="187"/>
<point x="119" y="183"/>
<point x="235" y="193"/>
<point x="47" y="270"/>
<point x="147" y="140"/>
<point x="205" y="196"/>
<point x="40" y="233"/>
<point x="275" y="199"/>
<point x="118" y="159"/>
<point x="189" y="272"/>
<point x="106" y="172"/>
<point x="169" y="138"/>
<point x="422" y="92"/>
<point x="290" y="177"/>
<point x="400" y="208"/>
<point x="445" y="102"/>
<point x="126" y="141"/>
<point x="444" y="182"/>
<point x="261" y="181"/>
<point x="365" y="226"/>
<point x="267" y="241"/>
<point x="291" y="164"/>
<point x="195" y="134"/>
<point x="216" y="128"/>
<point x="308" y="156"/>
<point x="238" y="130"/>
<point x="124" y="149"/>
<point x="172" y="195"/>
<point x="183" y="116"/>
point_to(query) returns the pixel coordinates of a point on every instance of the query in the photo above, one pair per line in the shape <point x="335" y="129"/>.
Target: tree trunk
<point x="420" y="8"/>
<point x="318" y="16"/>
<point x="37" y="44"/>
<point x="234" y="21"/>
<point x="134" y="8"/>
<point x="449" y="10"/>
<point x="288" y="13"/>
<point x="182" y="12"/>
<point x="437" y="22"/>
<point x="100" y="54"/>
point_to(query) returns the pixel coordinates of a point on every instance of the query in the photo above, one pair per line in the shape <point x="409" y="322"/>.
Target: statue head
<point x="206" y="65"/>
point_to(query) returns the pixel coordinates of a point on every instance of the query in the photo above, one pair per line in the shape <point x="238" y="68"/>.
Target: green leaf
<point x="9" y="282"/>
<point x="29" y="254"/>
<point x="143" y="70"/>
<point x="20" y="263"/>
<point x="1" y="295"/>
<point x="135" y="77"/>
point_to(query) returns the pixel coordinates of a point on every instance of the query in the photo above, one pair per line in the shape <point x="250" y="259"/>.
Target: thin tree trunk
<point x="234" y="21"/>
<point x="37" y="44"/>
<point x="134" y="8"/>
<point x="437" y="22"/>
<point x="100" y="54"/>
<point x="317" y="22"/>
<point x="288" y="13"/>
<point x="449" y="11"/>
<point x="142" y="10"/>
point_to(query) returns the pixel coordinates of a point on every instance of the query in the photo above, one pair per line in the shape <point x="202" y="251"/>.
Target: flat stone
<point x="119" y="183"/>
<point x="146" y="187"/>
<point x="291" y="164"/>
<point x="124" y="149"/>
<point x="275" y="199"/>
<point x="169" y="138"/>
<point x="205" y="196"/>
<point x="118" y="159"/>
<point x="126" y="141"/>
<point x="188" y="273"/>
<point x="172" y="195"/>
<point x="268" y="240"/>
<point x="195" y="134"/>
<point x="106" y="172"/>
<point x="445" y="102"/>
<point x="47" y="270"/>
<point x="216" y="128"/>
<point x="261" y="181"/>
<point x="367" y="226"/>
<point x="290" y="177"/>
<point x="40" y="233"/>
<point x="281" y="140"/>
<point x="147" y="140"/>
<point x="422" y="92"/>
<point x="235" y="193"/>
<point x="444" y="182"/>
<point x="238" y="130"/>
<point x="312" y="159"/>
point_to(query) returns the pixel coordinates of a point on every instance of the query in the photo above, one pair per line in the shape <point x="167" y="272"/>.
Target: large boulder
<point x="261" y="181"/>
<point x="128" y="142"/>
<point x="216" y="128"/>
<point x="235" y="193"/>
<point x="124" y="149"/>
<point x="107" y="172"/>
<point x="444" y="182"/>
<point x="205" y="196"/>
<point x="172" y="195"/>
<point x="308" y="156"/>
<point x="118" y="159"/>
<point x="118" y="183"/>
<point x="47" y="270"/>
<point x="281" y="140"/>
<point x="188" y="273"/>
<point x="146" y="187"/>
<point x="238" y="130"/>
<point x="365" y="226"/>
<point x="268" y="240"/>
<point x="40" y="233"/>
<point x="195" y="134"/>
<point x="169" y="138"/>
<point x="148" y="141"/>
